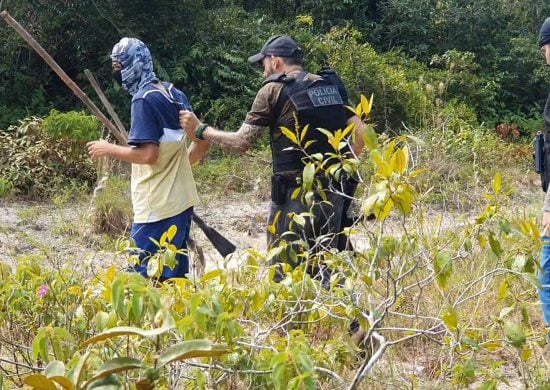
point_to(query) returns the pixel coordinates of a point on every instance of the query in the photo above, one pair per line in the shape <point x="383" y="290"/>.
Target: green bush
<point x="72" y="125"/>
<point x="399" y="98"/>
<point x="37" y="164"/>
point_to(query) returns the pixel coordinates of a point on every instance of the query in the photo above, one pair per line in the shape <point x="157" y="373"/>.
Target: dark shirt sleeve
<point x="261" y="113"/>
<point x="146" y="127"/>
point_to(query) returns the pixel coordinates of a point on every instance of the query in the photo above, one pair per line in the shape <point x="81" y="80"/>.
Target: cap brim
<point x="256" y="58"/>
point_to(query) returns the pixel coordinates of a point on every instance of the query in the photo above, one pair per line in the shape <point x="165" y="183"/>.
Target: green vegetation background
<point x="485" y="53"/>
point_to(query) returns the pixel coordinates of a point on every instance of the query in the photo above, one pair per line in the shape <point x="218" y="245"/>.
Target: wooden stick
<point x="61" y="73"/>
<point x="106" y="103"/>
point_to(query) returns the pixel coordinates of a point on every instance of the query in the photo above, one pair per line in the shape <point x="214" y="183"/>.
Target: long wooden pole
<point x="106" y="103"/>
<point x="66" y="79"/>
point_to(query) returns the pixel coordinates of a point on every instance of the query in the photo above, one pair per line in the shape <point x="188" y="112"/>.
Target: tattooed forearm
<point x="250" y="132"/>
<point x="238" y="142"/>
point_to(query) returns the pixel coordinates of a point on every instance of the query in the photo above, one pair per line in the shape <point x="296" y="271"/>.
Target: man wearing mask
<point x="544" y="291"/>
<point x="162" y="185"/>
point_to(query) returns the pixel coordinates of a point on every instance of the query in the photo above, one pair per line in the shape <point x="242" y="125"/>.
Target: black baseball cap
<point x="279" y="46"/>
<point x="545" y="33"/>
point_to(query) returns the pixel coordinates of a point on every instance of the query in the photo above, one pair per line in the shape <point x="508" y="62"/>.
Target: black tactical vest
<point x="319" y="103"/>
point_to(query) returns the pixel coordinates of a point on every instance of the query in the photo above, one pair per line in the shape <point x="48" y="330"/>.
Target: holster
<point x="278" y="189"/>
<point x="280" y="184"/>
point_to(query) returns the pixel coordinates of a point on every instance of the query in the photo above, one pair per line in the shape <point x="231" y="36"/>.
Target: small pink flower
<point x="43" y="290"/>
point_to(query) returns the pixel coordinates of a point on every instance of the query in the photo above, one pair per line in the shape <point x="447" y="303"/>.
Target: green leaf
<point x="505" y="226"/>
<point x="418" y="172"/>
<point x="191" y="349"/>
<point x="443" y="267"/>
<point x="469" y="342"/>
<point x="505" y="311"/>
<point x="308" y="175"/>
<point x="137" y="306"/>
<point x="303" y="133"/>
<point x="495" y="245"/>
<point x="101" y="320"/>
<point x="526" y="354"/>
<point x="370" y="138"/>
<point x="210" y="275"/>
<point x="450" y="318"/>
<point x="299" y="219"/>
<point x="114" y="366"/>
<point x="518" y="263"/>
<point x="514" y="333"/>
<point x="126" y="331"/>
<point x="153" y="267"/>
<point x="39" y="382"/>
<point x="109" y="383"/>
<point x="78" y="371"/>
<point x="55" y="368"/>
<point x="117" y="293"/>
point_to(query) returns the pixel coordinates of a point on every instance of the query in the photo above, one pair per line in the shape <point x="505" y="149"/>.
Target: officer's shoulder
<point x="276" y="78"/>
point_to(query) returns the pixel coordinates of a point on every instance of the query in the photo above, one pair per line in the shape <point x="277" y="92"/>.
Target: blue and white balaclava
<point x="544" y="34"/>
<point x="137" y="64"/>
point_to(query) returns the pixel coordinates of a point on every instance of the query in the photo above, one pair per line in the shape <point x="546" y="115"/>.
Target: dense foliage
<point x="454" y="301"/>
<point x="484" y="51"/>
<point x="39" y="156"/>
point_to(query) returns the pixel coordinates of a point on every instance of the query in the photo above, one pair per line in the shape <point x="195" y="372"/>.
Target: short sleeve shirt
<point x="166" y="188"/>
<point x="263" y="108"/>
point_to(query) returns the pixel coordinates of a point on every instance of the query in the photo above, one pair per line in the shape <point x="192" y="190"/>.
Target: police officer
<point x="288" y="90"/>
<point x="544" y="291"/>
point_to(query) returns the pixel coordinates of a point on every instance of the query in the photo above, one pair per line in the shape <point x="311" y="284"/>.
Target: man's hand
<point x="98" y="149"/>
<point x="190" y="123"/>
<point x="146" y="153"/>
<point x="546" y="223"/>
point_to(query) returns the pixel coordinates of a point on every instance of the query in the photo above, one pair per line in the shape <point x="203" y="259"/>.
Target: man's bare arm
<point x="146" y="153"/>
<point x="237" y="142"/>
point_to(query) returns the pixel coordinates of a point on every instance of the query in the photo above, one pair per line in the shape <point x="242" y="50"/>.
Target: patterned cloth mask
<point x="137" y="64"/>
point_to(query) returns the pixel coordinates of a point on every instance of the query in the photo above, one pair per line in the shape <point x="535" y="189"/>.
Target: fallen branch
<point x="106" y="103"/>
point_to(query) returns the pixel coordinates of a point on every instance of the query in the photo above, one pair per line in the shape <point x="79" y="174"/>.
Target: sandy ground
<point x="32" y="228"/>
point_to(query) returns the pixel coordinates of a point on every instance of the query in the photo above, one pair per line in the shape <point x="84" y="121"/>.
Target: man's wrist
<point x="199" y="133"/>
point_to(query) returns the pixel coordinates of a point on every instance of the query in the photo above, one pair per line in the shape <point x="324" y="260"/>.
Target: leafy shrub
<point x="399" y="97"/>
<point x="72" y="125"/>
<point x="37" y="164"/>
